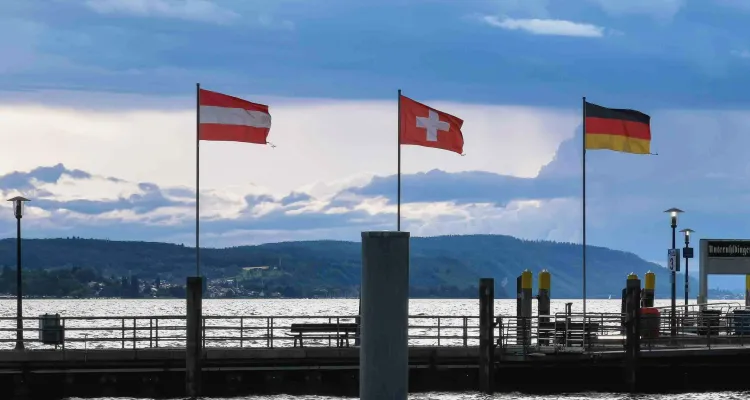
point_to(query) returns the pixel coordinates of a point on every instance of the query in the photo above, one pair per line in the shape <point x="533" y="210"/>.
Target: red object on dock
<point x="650" y="322"/>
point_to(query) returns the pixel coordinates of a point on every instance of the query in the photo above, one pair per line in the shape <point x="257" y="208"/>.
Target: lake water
<point x="328" y="307"/>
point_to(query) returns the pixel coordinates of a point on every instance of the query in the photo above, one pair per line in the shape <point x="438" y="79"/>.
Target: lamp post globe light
<point x="673" y="213"/>
<point x="687" y="253"/>
<point x="18" y="208"/>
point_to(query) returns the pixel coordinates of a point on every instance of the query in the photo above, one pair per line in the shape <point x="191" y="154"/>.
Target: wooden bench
<point x="341" y="332"/>
<point x="565" y="333"/>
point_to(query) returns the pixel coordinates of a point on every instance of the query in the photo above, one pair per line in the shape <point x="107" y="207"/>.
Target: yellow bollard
<point x="650" y="287"/>
<point x="545" y="279"/>
<point x="526" y="279"/>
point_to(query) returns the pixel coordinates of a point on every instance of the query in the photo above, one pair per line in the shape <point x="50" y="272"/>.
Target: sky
<point x="97" y="116"/>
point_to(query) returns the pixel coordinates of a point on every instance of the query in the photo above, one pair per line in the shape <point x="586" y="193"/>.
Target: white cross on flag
<point x="425" y="126"/>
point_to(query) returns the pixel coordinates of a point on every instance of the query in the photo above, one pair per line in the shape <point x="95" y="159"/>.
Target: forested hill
<point x="439" y="265"/>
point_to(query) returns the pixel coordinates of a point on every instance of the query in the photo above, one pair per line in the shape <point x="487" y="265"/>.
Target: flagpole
<point x="197" y="178"/>
<point x="398" y="207"/>
<point x="583" y="143"/>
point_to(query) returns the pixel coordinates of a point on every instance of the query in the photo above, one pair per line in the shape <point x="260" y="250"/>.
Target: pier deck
<point x="145" y="356"/>
<point x="230" y="371"/>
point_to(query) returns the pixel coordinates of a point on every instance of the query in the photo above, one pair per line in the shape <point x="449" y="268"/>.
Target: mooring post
<point x="523" y="323"/>
<point x="649" y="288"/>
<point x="486" y="335"/>
<point x="194" y="345"/>
<point x="632" y="335"/>
<point x="543" y="300"/>
<point x="384" y="345"/>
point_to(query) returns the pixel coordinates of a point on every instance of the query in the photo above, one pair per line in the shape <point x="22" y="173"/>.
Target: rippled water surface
<point x="224" y="328"/>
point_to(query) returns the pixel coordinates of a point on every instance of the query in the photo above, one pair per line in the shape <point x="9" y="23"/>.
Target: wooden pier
<point x="146" y="357"/>
<point x="233" y="371"/>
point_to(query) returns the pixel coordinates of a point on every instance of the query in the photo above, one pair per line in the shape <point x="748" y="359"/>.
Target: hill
<point x="445" y="266"/>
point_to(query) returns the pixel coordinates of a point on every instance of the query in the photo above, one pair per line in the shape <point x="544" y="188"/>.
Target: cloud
<point x="321" y="144"/>
<point x="192" y="10"/>
<point x="147" y="211"/>
<point x="741" y="53"/>
<point x="554" y="27"/>
<point x="626" y="193"/>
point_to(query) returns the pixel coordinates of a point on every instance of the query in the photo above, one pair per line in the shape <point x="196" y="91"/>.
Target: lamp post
<point x="18" y="205"/>
<point x="673" y="318"/>
<point x="687" y="253"/>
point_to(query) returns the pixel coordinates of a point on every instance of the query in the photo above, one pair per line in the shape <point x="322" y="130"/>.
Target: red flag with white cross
<point x="425" y="126"/>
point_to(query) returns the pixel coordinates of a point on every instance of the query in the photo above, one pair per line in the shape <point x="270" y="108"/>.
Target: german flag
<point x="617" y="129"/>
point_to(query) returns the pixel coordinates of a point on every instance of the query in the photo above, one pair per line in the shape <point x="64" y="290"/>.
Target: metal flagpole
<point x="583" y="207"/>
<point x="398" y="207"/>
<point x="197" y="178"/>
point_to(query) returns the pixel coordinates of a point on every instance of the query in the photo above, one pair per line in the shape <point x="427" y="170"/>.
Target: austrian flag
<point x="230" y="119"/>
<point x="425" y="126"/>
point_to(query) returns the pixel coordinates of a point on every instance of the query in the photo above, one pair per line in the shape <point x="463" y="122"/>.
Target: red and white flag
<point x="425" y="126"/>
<point x="230" y="119"/>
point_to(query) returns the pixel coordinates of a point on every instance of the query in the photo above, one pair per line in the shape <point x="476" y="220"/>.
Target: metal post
<point x="384" y="345"/>
<point x="19" y="288"/>
<point x="685" y="255"/>
<point x="543" y="300"/>
<point x="623" y="309"/>
<point x="193" y="334"/>
<point x="486" y="334"/>
<point x="673" y="316"/>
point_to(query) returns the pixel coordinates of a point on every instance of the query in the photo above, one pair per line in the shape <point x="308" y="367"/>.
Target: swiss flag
<point x="425" y="126"/>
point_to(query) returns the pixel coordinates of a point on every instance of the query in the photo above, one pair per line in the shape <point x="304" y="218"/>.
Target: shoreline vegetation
<point x="443" y="267"/>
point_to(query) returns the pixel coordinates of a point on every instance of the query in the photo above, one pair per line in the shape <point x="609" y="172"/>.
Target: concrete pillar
<point x="649" y="289"/>
<point x="194" y="336"/>
<point x="384" y="345"/>
<point x="486" y="335"/>
<point x="632" y="332"/>
<point x="543" y="300"/>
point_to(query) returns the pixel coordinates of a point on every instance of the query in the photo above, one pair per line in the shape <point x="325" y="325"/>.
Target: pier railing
<point x="723" y="325"/>
<point x="165" y="331"/>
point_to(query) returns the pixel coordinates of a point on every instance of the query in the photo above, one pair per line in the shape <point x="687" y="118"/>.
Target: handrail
<point x="557" y="332"/>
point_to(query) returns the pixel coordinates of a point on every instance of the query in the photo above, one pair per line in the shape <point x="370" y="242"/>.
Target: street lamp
<point x="673" y="319"/>
<point x="18" y="206"/>
<point x="687" y="253"/>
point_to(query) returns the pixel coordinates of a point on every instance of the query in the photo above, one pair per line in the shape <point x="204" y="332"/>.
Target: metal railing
<point x="719" y="325"/>
<point x="139" y="332"/>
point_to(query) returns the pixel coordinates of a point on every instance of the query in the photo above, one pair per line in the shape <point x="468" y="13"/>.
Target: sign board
<point x="721" y="257"/>
<point x="673" y="261"/>
<point x="728" y="249"/>
<point x="687" y="252"/>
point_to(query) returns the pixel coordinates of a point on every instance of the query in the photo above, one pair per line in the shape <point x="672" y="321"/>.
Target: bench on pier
<point x="568" y="333"/>
<point x="323" y="331"/>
